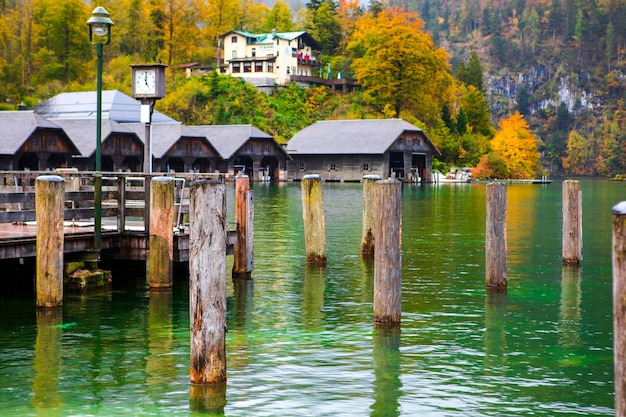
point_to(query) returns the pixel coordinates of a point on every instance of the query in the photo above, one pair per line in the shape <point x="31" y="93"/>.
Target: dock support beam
<point x="314" y="220"/>
<point x="388" y="256"/>
<point x="49" y="208"/>
<point x="572" y="223"/>
<point x="619" y="306"/>
<point x="495" y="236"/>
<point x="207" y="282"/>
<point x="243" y="262"/>
<point x="367" y="237"/>
<point x="161" y="254"/>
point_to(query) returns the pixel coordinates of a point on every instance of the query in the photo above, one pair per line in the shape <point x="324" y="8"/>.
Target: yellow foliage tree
<point x="400" y="66"/>
<point x="517" y="146"/>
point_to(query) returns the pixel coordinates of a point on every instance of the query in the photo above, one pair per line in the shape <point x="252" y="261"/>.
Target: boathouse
<point x="178" y="148"/>
<point x="30" y="142"/>
<point x="61" y="132"/>
<point x="246" y="147"/>
<point x="346" y="150"/>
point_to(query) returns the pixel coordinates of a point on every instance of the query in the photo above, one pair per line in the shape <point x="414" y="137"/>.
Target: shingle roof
<point x="164" y="135"/>
<point x="82" y="132"/>
<point x="17" y="126"/>
<point x="82" y="105"/>
<point x="228" y="139"/>
<point x="368" y="136"/>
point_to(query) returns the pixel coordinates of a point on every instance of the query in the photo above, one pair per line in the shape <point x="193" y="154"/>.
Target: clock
<point x="148" y="81"/>
<point x="145" y="82"/>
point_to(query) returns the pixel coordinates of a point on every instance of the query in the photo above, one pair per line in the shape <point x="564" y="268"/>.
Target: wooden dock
<point x="123" y="212"/>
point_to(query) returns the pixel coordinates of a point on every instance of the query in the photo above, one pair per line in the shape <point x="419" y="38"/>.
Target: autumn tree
<point x="399" y="65"/>
<point x="62" y="50"/>
<point x="580" y="158"/>
<point x="517" y="147"/>
<point x="279" y="18"/>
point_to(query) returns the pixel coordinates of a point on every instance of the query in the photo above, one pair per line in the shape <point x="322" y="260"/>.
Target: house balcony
<point x="309" y="62"/>
<point x="336" y="84"/>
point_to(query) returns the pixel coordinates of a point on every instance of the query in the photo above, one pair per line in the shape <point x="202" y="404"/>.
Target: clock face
<point x="145" y="82"/>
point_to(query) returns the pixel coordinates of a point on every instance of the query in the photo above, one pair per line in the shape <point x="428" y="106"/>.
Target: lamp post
<point x="99" y="34"/>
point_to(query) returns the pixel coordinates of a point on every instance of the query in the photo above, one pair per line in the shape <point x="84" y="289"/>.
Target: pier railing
<point x="123" y="195"/>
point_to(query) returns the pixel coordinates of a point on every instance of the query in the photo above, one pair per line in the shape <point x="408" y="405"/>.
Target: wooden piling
<point x="207" y="282"/>
<point x="367" y="237"/>
<point x="388" y="256"/>
<point x="495" y="236"/>
<point x="161" y="254"/>
<point x="243" y="262"/>
<point x="572" y="223"/>
<point x="314" y="220"/>
<point x="49" y="210"/>
<point x="619" y="306"/>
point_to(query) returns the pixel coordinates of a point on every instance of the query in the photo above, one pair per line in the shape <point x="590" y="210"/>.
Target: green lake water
<point x="301" y="341"/>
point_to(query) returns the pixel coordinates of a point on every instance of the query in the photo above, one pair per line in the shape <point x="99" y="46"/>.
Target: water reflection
<point x="47" y="363"/>
<point x="569" y="311"/>
<point x="207" y="400"/>
<point x="239" y="323"/>
<point x="160" y="364"/>
<point x="495" y="327"/>
<point x="313" y="296"/>
<point x="387" y="384"/>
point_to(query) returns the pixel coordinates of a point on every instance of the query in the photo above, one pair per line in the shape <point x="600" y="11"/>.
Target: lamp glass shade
<point x="100" y="29"/>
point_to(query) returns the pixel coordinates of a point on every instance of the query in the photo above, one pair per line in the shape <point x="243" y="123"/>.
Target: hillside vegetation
<point x="548" y="70"/>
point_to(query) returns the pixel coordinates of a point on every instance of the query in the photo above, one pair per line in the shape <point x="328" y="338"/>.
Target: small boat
<point x="456" y="175"/>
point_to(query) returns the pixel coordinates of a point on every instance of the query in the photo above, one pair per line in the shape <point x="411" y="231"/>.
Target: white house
<point x="271" y="59"/>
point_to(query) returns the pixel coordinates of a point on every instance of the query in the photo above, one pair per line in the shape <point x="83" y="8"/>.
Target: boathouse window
<point x="249" y="148"/>
<point x="366" y="167"/>
<point x="258" y="66"/>
<point x="126" y="144"/>
<point x="236" y="67"/>
<point x="417" y="142"/>
<point x="266" y="148"/>
<point x="401" y="141"/>
<point x="233" y="39"/>
<point x="247" y="67"/>
<point x="332" y="166"/>
<point x="302" y="166"/>
<point x="180" y="146"/>
<point x="197" y="147"/>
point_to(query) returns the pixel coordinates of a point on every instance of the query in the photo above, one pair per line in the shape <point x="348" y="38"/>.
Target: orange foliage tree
<point x="514" y="146"/>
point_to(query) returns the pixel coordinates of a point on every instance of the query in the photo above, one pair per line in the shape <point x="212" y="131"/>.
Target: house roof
<point x="227" y="139"/>
<point x="268" y="38"/>
<point x="82" y="132"/>
<point x="363" y="136"/>
<point x="165" y="135"/>
<point x="116" y="106"/>
<point x="18" y="126"/>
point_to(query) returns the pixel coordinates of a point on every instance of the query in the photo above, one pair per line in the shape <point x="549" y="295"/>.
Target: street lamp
<point x="99" y="28"/>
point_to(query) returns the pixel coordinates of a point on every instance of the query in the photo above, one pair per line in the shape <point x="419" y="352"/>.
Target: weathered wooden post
<point x="207" y="282"/>
<point x="49" y="210"/>
<point x="367" y="237"/>
<point x="243" y="262"/>
<point x="314" y="220"/>
<point x="388" y="256"/>
<point x="619" y="306"/>
<point x="495" y="236"/>
<point x="572" y="223"/>
<point x="161" y="254"/>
